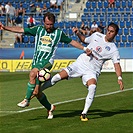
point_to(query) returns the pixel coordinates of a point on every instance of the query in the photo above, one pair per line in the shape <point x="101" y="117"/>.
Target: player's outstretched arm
<point x="15" y="29"/>
<point x="119" y="75"/>
<point x="80" y="36"/>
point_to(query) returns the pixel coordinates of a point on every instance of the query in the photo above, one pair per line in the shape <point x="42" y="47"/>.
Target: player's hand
<point x="120" y="82"/>
<point x="75" y="30"/>
<point x="88" y="52"/>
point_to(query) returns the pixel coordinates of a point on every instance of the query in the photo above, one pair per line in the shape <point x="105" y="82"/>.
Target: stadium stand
<point x="96" y="10"/>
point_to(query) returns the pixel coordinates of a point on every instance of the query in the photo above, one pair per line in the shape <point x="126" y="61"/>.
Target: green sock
<point x="43" y="100"/>
<point x="38" y="82"/>
<point x="30" y="89"/>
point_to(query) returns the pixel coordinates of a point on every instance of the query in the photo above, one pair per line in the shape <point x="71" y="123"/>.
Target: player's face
<point x="48" y="25"/>
<point x="111" y="33"/>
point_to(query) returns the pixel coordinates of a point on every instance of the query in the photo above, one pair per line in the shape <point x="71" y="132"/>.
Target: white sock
<point x="55" y="79"/>
<point x="89" y="98"/>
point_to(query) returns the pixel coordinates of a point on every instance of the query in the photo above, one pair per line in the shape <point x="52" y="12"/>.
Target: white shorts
<point x="81" y="69"/>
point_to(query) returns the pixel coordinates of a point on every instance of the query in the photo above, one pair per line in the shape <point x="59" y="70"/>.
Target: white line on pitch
<point x="68" y="101"/>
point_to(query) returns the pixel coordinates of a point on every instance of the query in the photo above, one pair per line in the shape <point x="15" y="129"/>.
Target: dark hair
<point x="115" y="26"/>
<point x="50" y="16"/>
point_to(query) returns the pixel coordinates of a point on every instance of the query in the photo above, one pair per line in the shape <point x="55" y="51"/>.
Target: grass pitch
<point x="110" y="113"/>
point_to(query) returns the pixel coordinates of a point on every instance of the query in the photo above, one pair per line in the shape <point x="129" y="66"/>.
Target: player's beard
<point x="49" y="30"/>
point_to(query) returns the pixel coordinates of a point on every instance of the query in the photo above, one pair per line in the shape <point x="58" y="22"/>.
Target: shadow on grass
<point x="93" y="114"/>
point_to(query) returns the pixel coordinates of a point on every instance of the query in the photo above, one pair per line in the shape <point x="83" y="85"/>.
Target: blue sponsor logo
<point x="107" y="48"/>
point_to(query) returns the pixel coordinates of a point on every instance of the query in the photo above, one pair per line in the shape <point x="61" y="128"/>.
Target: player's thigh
<point x="73" y="70"/>
<point x="89" y="78"/>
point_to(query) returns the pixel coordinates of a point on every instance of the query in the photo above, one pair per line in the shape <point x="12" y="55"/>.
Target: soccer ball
<point x="43" y="75"/>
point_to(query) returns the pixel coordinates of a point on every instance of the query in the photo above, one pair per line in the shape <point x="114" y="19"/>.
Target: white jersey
<point x="89" y="67"/>
<point x="101" y="50"/>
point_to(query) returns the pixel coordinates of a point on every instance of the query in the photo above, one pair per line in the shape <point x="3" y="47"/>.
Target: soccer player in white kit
<point x="89" y="66"/>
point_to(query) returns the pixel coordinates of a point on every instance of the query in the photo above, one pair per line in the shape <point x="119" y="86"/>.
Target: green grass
<point x="112" y="113"/>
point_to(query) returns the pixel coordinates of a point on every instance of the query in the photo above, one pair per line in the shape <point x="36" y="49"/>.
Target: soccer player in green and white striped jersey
<point x="46" y="40"/>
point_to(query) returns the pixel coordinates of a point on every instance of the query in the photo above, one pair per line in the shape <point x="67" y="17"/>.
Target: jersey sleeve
<point x="88" y="39"/>
<point x="116" y="57"/>
<point x="65" y="38"/>
<point x="31" y="31"/>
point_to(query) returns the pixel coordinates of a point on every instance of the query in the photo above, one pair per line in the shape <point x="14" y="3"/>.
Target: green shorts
<point x="40" y="66"/>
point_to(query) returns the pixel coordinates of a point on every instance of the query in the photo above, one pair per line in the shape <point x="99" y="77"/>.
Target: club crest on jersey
<point x="46" y="40"/>
<point x="98" y="49"/>
<point x="107" y="48"/>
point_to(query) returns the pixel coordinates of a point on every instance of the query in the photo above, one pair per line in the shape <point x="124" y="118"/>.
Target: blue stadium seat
<point x="127" y="44"/>
<point x="32" y="45"/>
<point x="123" y="4"/>
<point x="128" y="24"/>
<point x="124" y="38"/>
<point x="25" y="39"/>
<point x="131" y="17"/>
<point x="130" y="38"/>
<point x="115" y="10"/>
<point x="88" y="4"/>
<point x="119" y="17"/>
<point x="100" y="5"/>
<point x="122" y="24"/>
<point x="48" y="5"/>
<point x="25" y="25"/>
<point x="25" y="5"/>
<point x="89" y="18"/>
<point x="74" y="38"/>
<point x="5" y="1"/>
<point x="117" y="4"/>
<point x="79" y="24"/>
<point x="129" y="4"/>
<point x="22" y="1"/>
<point x="60" y="44"/>
<point x="61" y="24"/>
<point x="126" y="31"/>
<point x="57" y="11"/>
<point x="83" y="17"/>
<point x="67" y="24"/>
<point x="114" y="18"/>
<point x="118" y="39"/>
<point x="86" y="11"/>
<point x="31" y="39"/>
<point x="16" y="45"/>
<point x="122" y="10"/>
<point x="73" y="23"/>
<point x="110" y="10"/>
<point x="122" y="44"/>
<point x="131" y="31"/>
<point x="56" y="24"/>
<point x="103" y="10"/>
<point x="102" y="17"/>
<point x="28" y="45"/>
<point x="96" y="17"/>
<point x="65" y="45"/>
<point x="105" y="4"/>
<point x="93" y="4"/>
<point x="132" y="44"/>
<point x="22" y="45"/>
<point x="70" y="32"/>
<point x="98" y="11"/>
<point x="125" y="17"/>
<point x="11" y="1"/>
<point x="127" y="10"/>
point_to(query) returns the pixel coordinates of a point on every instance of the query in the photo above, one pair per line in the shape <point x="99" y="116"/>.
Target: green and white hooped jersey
<point x="46" y="43"/>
